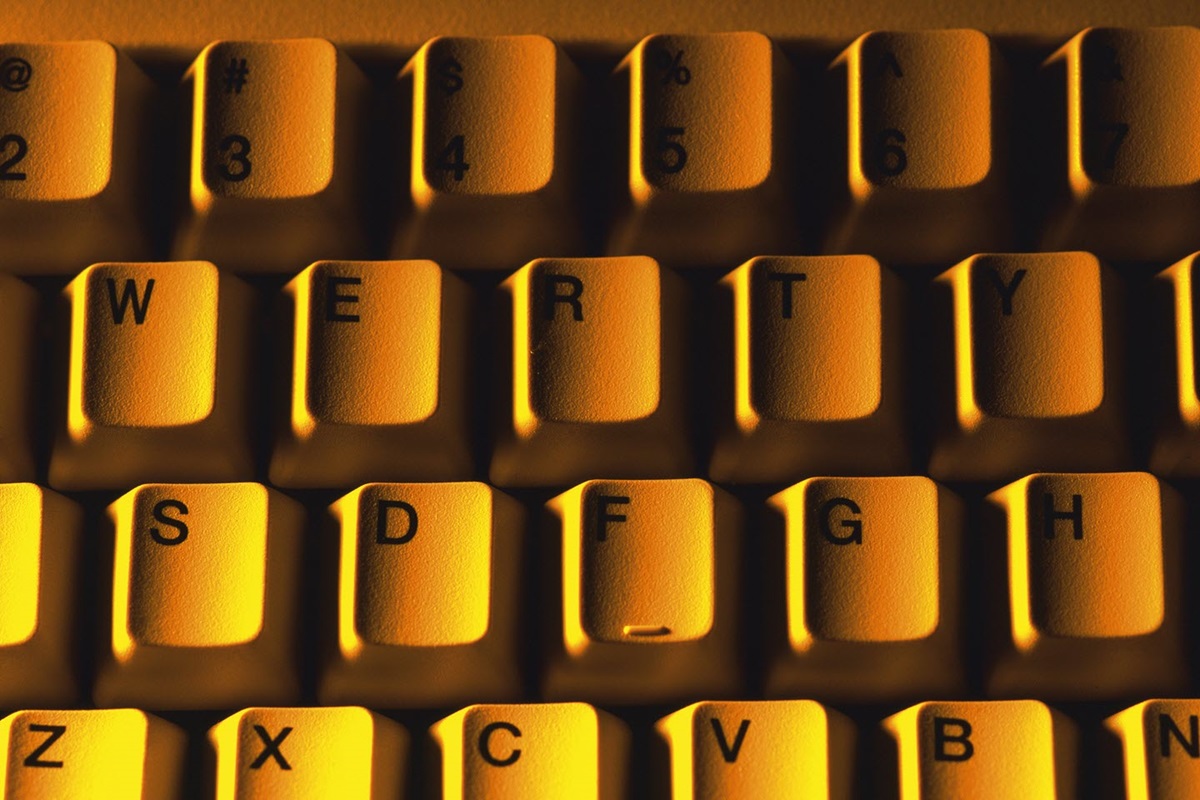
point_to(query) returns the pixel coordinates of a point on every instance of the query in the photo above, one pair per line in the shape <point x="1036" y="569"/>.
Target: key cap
<point x="428" y="580"/>
<point x="204" y="597"/>
<point x="378" y="376"/>
<point x="156" y="380"/>
<point x="868" y="607"/>
<point x="308" y="754"/>
<point x="710" y="137"/>
<point x="535" y="752"/>
<point x="647" y="591"/>
<point x="922" y="179"/>
<point x="18" y="330"/>
<point x="1034" y="369"/>
<point x="70" y="754"/>
<point x="491" y="179"/>
<point x="275" y="156"/>
<point x="1159" y="744"/>
<point x="814" y="382"/>
<point x="993" y="750"/>
<point x="40" y="540"/>
<point x="1090" y="604"/>
<point x="595" y="382"/>
<point x="781" y="748"/>
<point x="1131" y="186"/>
<point x="73" y="156"/>
<point x="1176" y="447"/>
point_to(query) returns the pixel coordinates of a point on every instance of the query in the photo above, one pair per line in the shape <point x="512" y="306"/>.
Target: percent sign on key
<point x="672" y="67"/>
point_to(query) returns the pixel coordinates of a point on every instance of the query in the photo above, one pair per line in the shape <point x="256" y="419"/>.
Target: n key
<point x="308" y="754"/>
<point x="1160" y="749"/>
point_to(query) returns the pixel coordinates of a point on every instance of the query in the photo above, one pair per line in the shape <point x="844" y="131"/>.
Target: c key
<point x="308" y="754"/>
<point x="204" y="596"/>
<point x="157" y="377"/>
<point x="274" y="156"/>
<point x="491" y="182"/>
<point x="646" y="575"/>
<point x="71" y="755"/>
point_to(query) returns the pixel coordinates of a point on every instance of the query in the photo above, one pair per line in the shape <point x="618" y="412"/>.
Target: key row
<point x="811" y="372"/>
<point x="639" y="593"/>
<point x="720" y="158"/>
<point x="943" y="750"/>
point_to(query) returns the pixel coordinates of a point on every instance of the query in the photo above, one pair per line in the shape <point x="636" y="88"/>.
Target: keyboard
<point x="635" y="401"/>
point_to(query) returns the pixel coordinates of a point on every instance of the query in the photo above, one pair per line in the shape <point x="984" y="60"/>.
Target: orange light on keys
<point x="777" y="748"/>
<point x="491" y="182"/>
<point x="1132" y="182"/>
<point x="923" y="176"/>
<point x="1088" y="606"/>
<point x="1176" y="448"/>
<point x="647" y="573"/>
<point x="379" y="375"/>
<point x="156" y="380"/>
<point x="1030" y="367"/>
<point x="18" y="330"/>
<point x="596" y="379"/>
<point x="1160" y="748"/>
<point x="997" y="750"/>
<point x="428" y="588"/>
<point x="274" y="156"/>
<point x="814" y="380"/>
<point x="708" y="155"/>
<point x="204" y="597"/>
<point x="73" y="157"/>
<point x="870" y="601"/>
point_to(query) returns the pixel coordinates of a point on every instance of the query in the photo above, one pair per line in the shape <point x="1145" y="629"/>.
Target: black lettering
<point x="333" y="298"/>
<point x="485" y="741"/>
<point x="571" y="298"/>
<point x="381" y="522"/>
<point x="962" y="738"/>
<point x="787" y="279"/>
<point x="179" y="525"/>
<point x="603" y="517"/>
<point x="1167" y="729"/>
<point x="129" y="297"/>
<point x="889" y="63"/>
<point x="1006" y="291"/>
<point x="34" y="759"/>
<point x="1050" y="515"/>
<point x="730" y="754"/>
<point x="271" y="748"/>
<point x="853" y="525"/>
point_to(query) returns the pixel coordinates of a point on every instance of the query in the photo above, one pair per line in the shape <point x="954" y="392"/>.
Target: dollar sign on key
<point x="450" y="74"/>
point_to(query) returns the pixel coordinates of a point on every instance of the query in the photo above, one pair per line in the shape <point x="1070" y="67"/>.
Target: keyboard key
<point x="534" y="752"/>
<point x="595" y="385"/>
<point x="647" y="576"/>
<point x="782" y="748"/>
<point x="1091" y="605"/>
<point x="275" y="154"/>
<point x="378" y="376"/>
<point x="40" y="541"/>
<point x="18" y="330"/>
<point x="1034" y="372"/>
<point x="814" y="383"/>
<point x="870" y="604"/>
<point x="156" y="386"/>
<point x="708" y="151"/>
<point x="984" y="750"/>
<point x="71" y="754"/>
<point x="1132" y="182"/>
<point x="428" y="593"/>
<point x="923" y="175"/>
<point x="205" y="597"/>
<point x="491" y="183"/>
<point x="1160" y="745"/>
<point x="1176" y="448"/>
<point x="308" y="754"/>
<point x="73" y="157"/>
